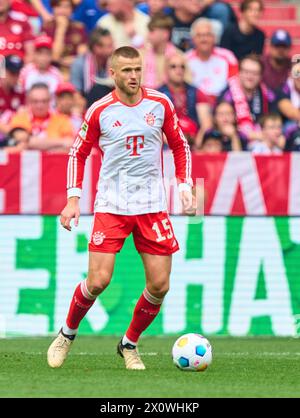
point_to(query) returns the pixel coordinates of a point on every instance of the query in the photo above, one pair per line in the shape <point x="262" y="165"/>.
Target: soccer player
<point x="128" y="124"/>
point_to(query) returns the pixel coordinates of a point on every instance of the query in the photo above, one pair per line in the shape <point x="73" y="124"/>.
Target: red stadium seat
<point x="275" y="12"/>
<point x="292" y="27"/>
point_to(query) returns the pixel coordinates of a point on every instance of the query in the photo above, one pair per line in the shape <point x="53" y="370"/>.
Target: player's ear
<point x="111" y="72"/>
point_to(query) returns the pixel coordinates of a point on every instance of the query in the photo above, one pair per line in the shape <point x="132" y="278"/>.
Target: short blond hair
<point x="125" y="52"/>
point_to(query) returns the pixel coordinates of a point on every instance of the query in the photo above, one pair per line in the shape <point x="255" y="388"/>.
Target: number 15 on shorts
<point x="164" y="226"/>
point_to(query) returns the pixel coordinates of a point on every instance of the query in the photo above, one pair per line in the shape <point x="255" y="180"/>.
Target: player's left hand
<point x="188" y="202"/>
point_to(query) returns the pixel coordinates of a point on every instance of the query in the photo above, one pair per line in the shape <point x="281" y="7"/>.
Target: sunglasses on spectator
<point x="173" y="66"/>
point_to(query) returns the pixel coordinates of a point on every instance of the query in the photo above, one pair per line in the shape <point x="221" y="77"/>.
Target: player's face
<point x="127" y="74"/>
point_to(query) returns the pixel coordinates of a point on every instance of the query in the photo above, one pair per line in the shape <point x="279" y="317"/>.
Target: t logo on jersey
<point x="135" y="143"/>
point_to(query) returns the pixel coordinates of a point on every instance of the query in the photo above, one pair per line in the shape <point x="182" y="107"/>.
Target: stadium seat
<point x="275" y="12"/>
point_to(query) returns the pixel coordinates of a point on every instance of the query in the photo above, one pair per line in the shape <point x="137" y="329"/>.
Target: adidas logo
<point x="116" y="124"/>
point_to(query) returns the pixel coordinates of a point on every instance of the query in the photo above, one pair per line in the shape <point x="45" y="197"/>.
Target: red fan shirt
<point x="14" y="33"/>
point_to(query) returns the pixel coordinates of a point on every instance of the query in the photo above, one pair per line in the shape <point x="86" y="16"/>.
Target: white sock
<point x="69" y="331"/>
<point x="125" y="341"/>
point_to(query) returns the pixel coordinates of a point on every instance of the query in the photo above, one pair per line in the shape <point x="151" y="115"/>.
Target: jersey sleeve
<point x="87" y="136"/>
<point x="178" y="145"/>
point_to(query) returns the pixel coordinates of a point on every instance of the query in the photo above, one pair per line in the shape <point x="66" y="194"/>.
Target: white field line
<point x="215" y="353"/>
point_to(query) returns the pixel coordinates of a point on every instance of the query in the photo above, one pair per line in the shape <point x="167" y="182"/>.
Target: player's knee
<point x="159" y="289"/>
<point x="98" y="281"/>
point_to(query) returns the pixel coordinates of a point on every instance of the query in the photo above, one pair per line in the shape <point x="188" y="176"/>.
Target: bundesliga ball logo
<point x="98" y="238"/>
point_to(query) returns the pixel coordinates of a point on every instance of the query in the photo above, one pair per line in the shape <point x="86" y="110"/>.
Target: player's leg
<point x="157" y="270"/>
<point x="107" y="238"/>
<point x="100" y="271"/>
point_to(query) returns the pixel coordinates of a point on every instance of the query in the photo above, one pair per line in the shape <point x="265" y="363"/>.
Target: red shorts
<point x="152" y="233"/>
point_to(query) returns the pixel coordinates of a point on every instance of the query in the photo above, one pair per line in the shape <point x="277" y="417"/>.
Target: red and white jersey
<point x="131" y="140"/>
<point x="211" y="76"/>
<point x="30" y="75"/>
<point x="10" y="100"/>
<point x="14" y="33"/>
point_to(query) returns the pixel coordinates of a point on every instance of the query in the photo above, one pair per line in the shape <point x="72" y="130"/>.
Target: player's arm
<point x="88" y="134"/>
<point x="182" y="157"/>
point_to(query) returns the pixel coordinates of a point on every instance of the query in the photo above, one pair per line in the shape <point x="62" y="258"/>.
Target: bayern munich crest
<point x="150" y="118"/>
<point x="98" y="237"/>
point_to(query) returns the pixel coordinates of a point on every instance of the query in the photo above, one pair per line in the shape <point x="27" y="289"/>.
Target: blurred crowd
<point x="231" y="91"/>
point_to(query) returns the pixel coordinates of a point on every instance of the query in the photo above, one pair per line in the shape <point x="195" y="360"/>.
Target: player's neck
<point x="130" y="100"/>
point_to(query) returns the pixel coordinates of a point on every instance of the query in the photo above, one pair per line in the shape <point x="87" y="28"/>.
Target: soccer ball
<point x="192" y="352"/>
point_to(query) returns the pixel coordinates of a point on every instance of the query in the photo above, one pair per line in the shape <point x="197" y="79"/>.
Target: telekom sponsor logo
<point x="135" y="143"/>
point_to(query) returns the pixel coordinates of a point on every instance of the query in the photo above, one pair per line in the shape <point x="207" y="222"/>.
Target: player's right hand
<point x="70" y="211"/>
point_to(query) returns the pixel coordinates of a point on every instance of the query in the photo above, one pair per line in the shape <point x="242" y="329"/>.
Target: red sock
<point x="143" y="315"/>
<point x="81" y="302"/>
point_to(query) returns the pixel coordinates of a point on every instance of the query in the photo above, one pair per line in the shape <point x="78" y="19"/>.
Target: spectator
<point x="11" y="96"/>
<point x="85" y="11"/>
<point x="289" y="99"/>
<point x="69" y="37"/>
<point x="225" y="123"/>
<point x="17" y="141"/>
<point x="243" y="37"/>
<point x="293" y="140"/>
<point x="220" y="11"/>
<point x="48" y="131"/>
<point x="210" y="66"/>
<point x="277" y="63"/>
<point x="66" y="105"/>
<point x="249" y="96"/>
<point x="92" y="67"/>
<point x="27" y="9"/>
<point x="184" y="14"/>
<point x="273" y="141"/>
<point x="191" y="105"/>
<point x="153" y="7"/>
<point x="16" y="34"/>
<point x="88" y="12"/>
<point x="212" y="142"/>
<point x="97" y="92"/>
<point x="157" y="48"/>
<point x="41" y="70"/>
<point x="42" y="10"/>
<point x="127" y="25"/>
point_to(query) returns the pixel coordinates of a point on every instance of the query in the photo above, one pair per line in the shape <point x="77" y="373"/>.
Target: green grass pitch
<point x="241" y="367"/>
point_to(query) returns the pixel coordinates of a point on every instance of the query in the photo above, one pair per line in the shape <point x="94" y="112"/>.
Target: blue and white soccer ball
<point x="192" y="352"/>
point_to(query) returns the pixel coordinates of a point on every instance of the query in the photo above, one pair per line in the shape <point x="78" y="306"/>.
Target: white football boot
<point x="58" y="350"/>
<point x="131" y="356"/>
